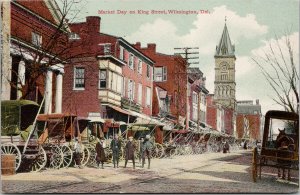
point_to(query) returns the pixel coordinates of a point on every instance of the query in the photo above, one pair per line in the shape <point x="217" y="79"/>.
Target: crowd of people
<point x="145" y="148"/>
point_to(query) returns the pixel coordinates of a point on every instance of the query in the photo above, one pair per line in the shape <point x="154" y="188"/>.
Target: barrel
<point x="8" y="164"/>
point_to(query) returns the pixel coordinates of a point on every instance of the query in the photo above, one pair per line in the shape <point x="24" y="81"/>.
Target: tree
<point x="52" y="45"/>
<point x="278" y="65"/>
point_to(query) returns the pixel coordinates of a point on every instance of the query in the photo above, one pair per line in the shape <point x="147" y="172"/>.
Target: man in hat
<point x="115" y="145"/>
<point x="141" y="142"/>
<point x="129" y="151"/>
<point x="147" y="148"/>
<point x="100" y="153"/>
<point x="77" y="151"/>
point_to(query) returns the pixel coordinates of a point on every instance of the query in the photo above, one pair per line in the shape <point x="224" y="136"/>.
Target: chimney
<point x="257" y="101"/>
<point x="93" y="24"/>
<point x="138" y="45"/>
<point x="151" y="47"/>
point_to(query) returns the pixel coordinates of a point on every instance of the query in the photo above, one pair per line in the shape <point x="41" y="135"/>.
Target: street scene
<point x="138" y="96"/>
<point x="205" y="173"/>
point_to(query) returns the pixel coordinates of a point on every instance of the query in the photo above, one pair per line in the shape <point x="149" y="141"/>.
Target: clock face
<point x="223" y="67"/>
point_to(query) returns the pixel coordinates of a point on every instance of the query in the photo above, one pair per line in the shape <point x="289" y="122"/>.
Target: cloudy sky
<point x="252" y="24"/>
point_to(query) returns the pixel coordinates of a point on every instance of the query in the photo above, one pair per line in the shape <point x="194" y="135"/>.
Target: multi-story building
<point x="5" y="50"/>
<point x="170" y="84"/>
<point x="225" y="72"/>
<point x="114" y="80"/>
<point x="222" y="104"/>
<point x="197" y="96"/>
<point x="36" y="69"/>
<point x="248" y="120"/>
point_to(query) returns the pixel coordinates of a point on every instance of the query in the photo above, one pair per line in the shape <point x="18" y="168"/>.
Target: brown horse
<point x="284" y="145"/>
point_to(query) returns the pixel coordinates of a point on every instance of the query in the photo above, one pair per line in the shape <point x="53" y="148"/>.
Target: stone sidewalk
<point x="204" y="173"/>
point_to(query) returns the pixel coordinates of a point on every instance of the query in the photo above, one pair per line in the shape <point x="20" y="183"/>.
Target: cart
<point x="18" y="135"/>
<point x="56" y="135"/>
<point x="280" y="144"/>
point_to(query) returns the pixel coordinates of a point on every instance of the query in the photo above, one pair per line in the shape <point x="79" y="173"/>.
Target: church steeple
<point x="225" y="48"/>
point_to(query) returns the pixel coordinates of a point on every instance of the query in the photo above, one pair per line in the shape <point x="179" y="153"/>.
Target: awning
<point x="143" y="119"/>
<point x="96" y="119"/>
<point x="139" y="128"/>
<point x="119" y="110"/>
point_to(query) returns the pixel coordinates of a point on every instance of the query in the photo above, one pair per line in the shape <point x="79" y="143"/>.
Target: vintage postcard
<point x="147" y="96"/>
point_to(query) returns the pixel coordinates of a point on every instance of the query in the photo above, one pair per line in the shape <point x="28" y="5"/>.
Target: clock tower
<point x="225" y="72"/>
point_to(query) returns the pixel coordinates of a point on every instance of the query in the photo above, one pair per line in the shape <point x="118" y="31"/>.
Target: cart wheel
<point x="254" y="164"/>
<point x="67" y="156"/>
<point x="40" y="160"/>
<point x="56" y="158"/>
<point x="159" y="150"/>
<point x="92" y="160"/>
<point x="172" y="153"/>
<point x="9" y="148"/>
<point x="85" y="155"/>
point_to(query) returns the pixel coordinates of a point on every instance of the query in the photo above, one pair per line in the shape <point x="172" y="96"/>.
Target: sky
<point x="252" y="25"/>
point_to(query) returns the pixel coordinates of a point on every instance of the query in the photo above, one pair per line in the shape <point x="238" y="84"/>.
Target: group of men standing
<point x="144" y="151"/>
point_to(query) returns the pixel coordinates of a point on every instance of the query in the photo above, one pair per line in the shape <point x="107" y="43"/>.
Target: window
<point x="102" y="79"/>
<point x="148" y="96"/>
<point x="140" y="93"/>
<point x="160" y="73"/>
<point x="107" y="49"/>
<point x="120" y="84"/>
<point x="121" y="53"/>
<point x="131" y="61"/>
<point x="140" y="65"/>
<point x="130" y="89"/>
<point x="195" y="113"/>
<point x="124" y="86"/>
<point x="36" y="39"/>
<point x="195" y="98"/>
<point x="79" y="78"/>
<point x="148" y="71"/>
<point x="224" y="76"/>
<point x="73" y="36"/>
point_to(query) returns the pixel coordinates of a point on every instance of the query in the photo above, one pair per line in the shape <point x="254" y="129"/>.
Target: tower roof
<point x="225" y="48"/>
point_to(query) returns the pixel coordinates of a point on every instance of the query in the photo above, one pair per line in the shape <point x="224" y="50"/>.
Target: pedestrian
<point x="77" y="153"/>
<point x="115" y="145"/>
<point x="129" y="152"/>
<point x="226" y="147"/>
<point x="100" y="153"/>
<point x="141" y="142"/>
<point x="147" y="147"/>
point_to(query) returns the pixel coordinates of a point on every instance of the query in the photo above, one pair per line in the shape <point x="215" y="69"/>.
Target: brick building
<point x="113" y="80"/>
<point x="197" y="95"/>
<point x="5" y="50"/>
<point x="248" y="121"/>
<point x="36" y="69"/>
<point x="170" y="84"/>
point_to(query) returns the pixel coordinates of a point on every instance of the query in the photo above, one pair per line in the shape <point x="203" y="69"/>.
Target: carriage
<point x="18" y="136"/>
<point x="279" y="145"/>
<point x="56" y="134"/>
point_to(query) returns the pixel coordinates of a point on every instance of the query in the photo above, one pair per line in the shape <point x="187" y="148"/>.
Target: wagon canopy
<point x="17" y="115"/>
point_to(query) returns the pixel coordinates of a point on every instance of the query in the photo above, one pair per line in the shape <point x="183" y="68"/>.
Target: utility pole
<point x="188" y="53"/>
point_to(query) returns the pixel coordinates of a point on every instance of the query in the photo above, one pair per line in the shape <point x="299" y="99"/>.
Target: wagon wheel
<point x="67" y="156"/>
<point x="9" y="148"/>
<point x="40" y="160"/>
<point x="254" y="164"/>
<point x="85" y="155"/>
<point x="56" y="158"/>
<point x="159" y="150"/>
<point x="92" y="160"/>
<point x="172" y="152"/>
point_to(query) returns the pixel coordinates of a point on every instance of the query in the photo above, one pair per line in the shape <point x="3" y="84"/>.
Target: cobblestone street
<point x="211" y="172"/>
